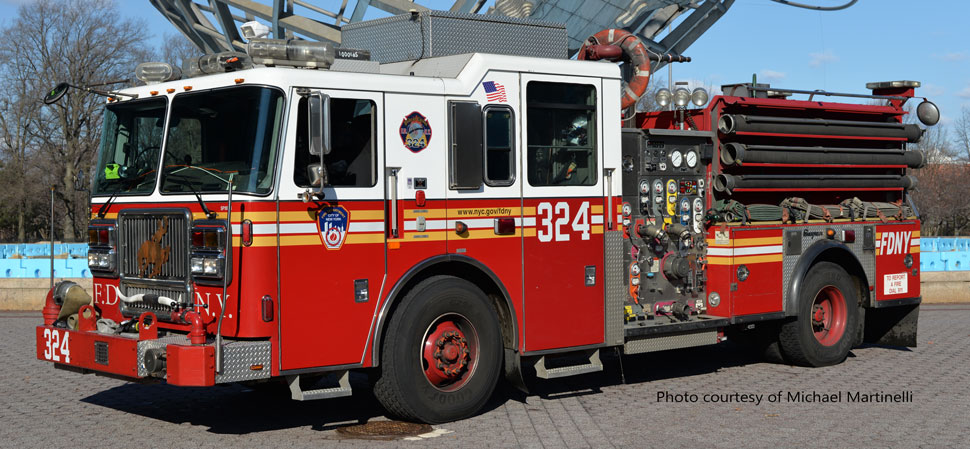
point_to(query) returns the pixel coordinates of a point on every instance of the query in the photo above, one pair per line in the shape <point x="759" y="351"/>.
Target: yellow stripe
<point x="914" y="250"/>
<point x="430" y="236"/>
<point x="728" y="260"/>
<point x="352" y="238"/>
<point x="597" y="229"/>
<point x="297" y="216"/>
<point x="596" y="209"/>
<point x="747" y="242"/>
<point x="300" y="240"/>
<point x="427" y="213"/>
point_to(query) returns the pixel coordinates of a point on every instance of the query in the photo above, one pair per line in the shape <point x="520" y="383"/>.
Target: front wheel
<point x="442" y="352"/>
<point x="828" y="316"/>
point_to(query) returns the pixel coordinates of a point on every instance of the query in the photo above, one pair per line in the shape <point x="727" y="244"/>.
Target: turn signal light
<point x="267" y="303"/>
<point x="247" y="232"/>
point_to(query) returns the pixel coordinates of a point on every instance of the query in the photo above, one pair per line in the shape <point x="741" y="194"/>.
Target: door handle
<point x="392" y="190"/>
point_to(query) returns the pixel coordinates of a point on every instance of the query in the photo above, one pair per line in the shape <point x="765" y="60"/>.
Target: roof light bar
<point x="291" y="52"/>
<point x="227" y="61"/>
<point x="156" y="72"/>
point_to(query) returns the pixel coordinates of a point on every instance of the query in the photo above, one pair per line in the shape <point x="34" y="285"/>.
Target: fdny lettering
<point x="105" y="294"/>
<point x="895" y="242"/>
<point x="208" y="311"/>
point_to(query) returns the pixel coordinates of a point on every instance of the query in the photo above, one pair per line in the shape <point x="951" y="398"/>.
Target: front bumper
<point x="123" y="355"/>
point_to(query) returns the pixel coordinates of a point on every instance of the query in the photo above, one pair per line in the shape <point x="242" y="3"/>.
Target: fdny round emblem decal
<point x="333" y="222"/>
<point x="415" y="131"/>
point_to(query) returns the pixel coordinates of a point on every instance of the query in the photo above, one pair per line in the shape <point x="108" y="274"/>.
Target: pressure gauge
<point x="676" y="158"/>
<point x="691" y="159"/>
<point x="671" y="186"/>
<point x="627" y="210"/>
<point x="698" y="205"/>
<point x="658" y="186"/>
<point x="644" y="186"/>
<point x="685" y="205"/>
<point x="671" y="199"/>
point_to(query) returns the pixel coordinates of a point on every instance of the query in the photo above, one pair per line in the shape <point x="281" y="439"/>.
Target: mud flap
<point x="892" y="326"/>
<point x="513" y="370"/>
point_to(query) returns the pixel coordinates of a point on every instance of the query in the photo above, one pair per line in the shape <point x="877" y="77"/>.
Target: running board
<point x="343" y="389"/>
<point x="594" y="365"/>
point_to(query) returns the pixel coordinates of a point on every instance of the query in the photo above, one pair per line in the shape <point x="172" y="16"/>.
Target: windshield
<point x="130" y="143"/>
<point x="217" y="133"/>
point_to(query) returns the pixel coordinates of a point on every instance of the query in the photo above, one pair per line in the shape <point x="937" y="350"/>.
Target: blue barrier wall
<point x="25" y="260"/>
<point x="944" y="253"/>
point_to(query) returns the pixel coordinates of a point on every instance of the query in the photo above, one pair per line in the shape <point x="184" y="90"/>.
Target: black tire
<point x="808" y="340"/>
<point x="403" y="387"/>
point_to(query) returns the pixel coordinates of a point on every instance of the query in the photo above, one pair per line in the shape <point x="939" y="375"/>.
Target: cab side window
<point x="352" y="159"/>
<point x="499" y="146"/>
<point x="561" y="134"/>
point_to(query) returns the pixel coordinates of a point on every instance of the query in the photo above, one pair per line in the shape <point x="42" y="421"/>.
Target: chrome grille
<point x="136" y="230"/>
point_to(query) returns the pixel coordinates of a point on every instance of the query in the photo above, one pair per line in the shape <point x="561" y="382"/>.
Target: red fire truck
<point x="444" y="219"/>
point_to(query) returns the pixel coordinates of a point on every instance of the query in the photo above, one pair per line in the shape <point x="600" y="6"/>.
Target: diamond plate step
<point x="298" y="394"/>
<point x="594" y="365"/>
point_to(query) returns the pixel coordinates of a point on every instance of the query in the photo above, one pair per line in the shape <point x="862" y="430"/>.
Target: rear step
<point x="594" y="365"/>
<point x="343" y="388"/>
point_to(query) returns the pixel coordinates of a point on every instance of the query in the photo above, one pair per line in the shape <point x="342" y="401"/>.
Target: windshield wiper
<point x="184" y="182"/>
<point x="103" y="210"/>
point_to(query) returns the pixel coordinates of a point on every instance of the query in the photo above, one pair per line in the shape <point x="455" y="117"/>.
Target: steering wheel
<point x="141" y="159"/>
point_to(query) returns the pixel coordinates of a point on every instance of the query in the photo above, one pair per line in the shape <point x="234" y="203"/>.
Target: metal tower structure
<point x="213" y="25"/>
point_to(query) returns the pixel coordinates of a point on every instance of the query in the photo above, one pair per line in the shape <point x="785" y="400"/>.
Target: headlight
<point x="196" y="265"/>
<point x="210" y="266"/>
<point x="662" y="97"/>
<point x="714" y="299"/>
<point x="681" y="97"/>
<point x="699" y="97"/>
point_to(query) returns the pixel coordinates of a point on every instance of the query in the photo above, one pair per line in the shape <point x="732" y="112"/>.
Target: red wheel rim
<point x="829" y="313"/>
<point x="449" y="353"/>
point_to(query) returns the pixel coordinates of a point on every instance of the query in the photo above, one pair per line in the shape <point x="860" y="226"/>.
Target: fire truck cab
<point x="451" y="219"/>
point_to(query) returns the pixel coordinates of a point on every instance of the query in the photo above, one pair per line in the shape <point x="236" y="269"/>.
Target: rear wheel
<point x="442" y="352"/>
<point x="828" y="317"/>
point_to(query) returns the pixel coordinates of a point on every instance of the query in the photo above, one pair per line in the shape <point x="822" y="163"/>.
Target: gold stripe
<point x="596" y="209"/>
<point x="757" y="241"/>
<point x="430" y="236"/>
<point x="300" y="240"/>
<point x="427" y="213"/>
<point x="728" y="260"/>
<point x="377" y="237"/>
<point x="301" y="215"/>
<point x="597" y="229"/>
<point x="366" y="215"/>
<point x="914" y="250"/>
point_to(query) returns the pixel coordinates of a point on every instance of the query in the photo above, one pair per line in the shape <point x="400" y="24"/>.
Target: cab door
<point x="332" y="250"/>
<point x="563" y="201"/>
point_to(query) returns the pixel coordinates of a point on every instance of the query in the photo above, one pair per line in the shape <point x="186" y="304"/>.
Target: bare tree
<point x="63" y="40"/>
<point x="962" y="134"/>
<point x="176" y="49"/>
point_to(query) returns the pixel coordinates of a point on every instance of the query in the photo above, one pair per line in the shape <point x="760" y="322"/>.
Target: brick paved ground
<point x="40" y="406"/>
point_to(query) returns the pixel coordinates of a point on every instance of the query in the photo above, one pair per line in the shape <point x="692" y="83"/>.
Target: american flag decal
<point x="495" y="92"/>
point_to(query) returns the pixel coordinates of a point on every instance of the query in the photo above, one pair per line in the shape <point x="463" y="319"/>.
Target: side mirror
<point x="56" y="93"/>
<point x="319" y="126"/>
<point x="81" y="181"/>
<point x="318" y="114"/>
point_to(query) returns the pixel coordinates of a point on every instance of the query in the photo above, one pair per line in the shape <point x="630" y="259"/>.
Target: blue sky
<point x="874" y="40"/>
